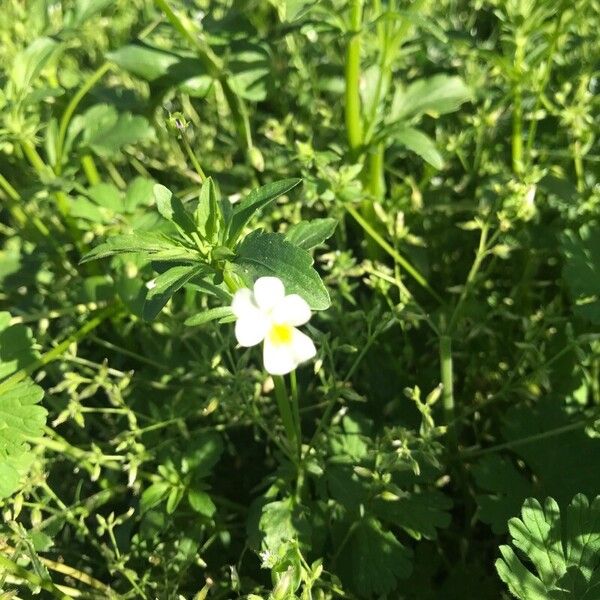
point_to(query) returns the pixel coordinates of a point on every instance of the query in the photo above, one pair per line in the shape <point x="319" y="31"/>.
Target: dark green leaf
<point x="263" y="254"/>
<point x="373" y="560"/>
<point x="581" y="270"/>
<point x="201" y="502"/>
<point x="256" y="200"/>
<point x="208" y="214"/>
<point x="165" y="285"/>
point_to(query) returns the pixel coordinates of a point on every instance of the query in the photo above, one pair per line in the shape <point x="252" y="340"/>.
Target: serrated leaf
<point x="419" y="514"/>
<point x="263" y="254"/>
<point x="373" y="561"/>
<point x="21" y="416"/>
<point x="256" y="200"/>
<point x="559" y="466"/>
<point x="281" y="522"/>
<point x="206" y="316"/>
<point x="565" y="569"/>
<point x="172" y="209"/>
<point x="439" y="94"/>
<point x="308" y="234"/>
<point x="106" y="131"/>
<point x="165" y="285"/>
<point x="581" y="270"/>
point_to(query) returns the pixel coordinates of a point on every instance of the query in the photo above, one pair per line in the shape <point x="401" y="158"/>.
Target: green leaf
<point x="581" y="271"/>
<point x="106" y="131"/>
<point x="172" y="209"/>
<point x="201" y="502"/>
<point x="28" y="63"/>
<point x="140" y="192"/>
<point x="263" y="254"/>
<point x="154" y="244"/>
<point x="16" y="346"/>
<point x="209" y="315"/>
<point x="154" y="494"/>
<point x="420" y="144"/>
<point x="282" y="522"/>
<point x="308" y="234"/>
<point x="548" y="469"/>
<point x="373" y="560"/>
<point x="419" y="514"/>
<point x="256" y="200"/>
<point x="165" y="285"/>
<point x="437" y="95"/>
<point x="208" y="213"/>
<point x="164" y="68"/>
<point x="21" y="417"/>
<point x="250" y="67"/>
<point x="565" y="568"/>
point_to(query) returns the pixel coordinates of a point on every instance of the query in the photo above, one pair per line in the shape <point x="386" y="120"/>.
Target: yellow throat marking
<point x="281" y="334"/>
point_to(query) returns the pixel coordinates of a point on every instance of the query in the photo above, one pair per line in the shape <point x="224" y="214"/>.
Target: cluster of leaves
<point x="425" y="172"/>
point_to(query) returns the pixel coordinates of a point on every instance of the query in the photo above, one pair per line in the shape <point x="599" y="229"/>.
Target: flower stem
<point x="285" y="410"/>
<point x="352" y="73"/>
<point x="296" y="408"/>
<point x="448" y="386"/>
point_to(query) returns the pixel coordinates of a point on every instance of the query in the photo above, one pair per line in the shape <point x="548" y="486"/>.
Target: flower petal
<point x="251" y="328"/>
<point x="302" y="346"/>
<point x="243" y="303"/>
<point x="292" y="310"/>
<point x="268" y="292"/>
<point x="278" y="359"/>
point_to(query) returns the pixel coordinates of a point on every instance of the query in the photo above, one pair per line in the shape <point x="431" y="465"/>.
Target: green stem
<point x="352" y="74"/>
<point x="479" y="256"/>
<point x="89" y="167"/>
<point x="296" y="408"/>
<point x="544" y="82"/>
<point x="215" y="68"/>
<point x="393" y="253"/>
<point x="18" y="571"/>
<point x="192" y="157"/>
<point x="68" y="114"/>
<point x="285" y="410"/>
<point x="376" y="178"/>
<point x="58" y="350"/>
<point x="517" y="121"/>
<point x="446" y="372"/>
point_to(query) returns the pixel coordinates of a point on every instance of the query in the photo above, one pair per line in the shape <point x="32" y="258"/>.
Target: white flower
<point x="267" y="314"/>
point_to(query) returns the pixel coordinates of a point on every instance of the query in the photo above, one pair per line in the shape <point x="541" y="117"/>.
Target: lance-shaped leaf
<point x="172" y="209"/>
<point x="220" y="312"/>
<point x="208" y="213"/>
<point x="165" y="285"/>
<point x="308" y="234"/>
<point x="263" y="254"/>
<point x="153" y="244"/>
<point x="256" y="200"/>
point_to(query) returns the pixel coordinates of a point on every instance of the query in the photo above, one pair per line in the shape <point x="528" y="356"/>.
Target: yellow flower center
<point x="281" y="334"/>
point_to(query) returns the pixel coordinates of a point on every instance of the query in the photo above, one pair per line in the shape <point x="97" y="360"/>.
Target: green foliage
<point x="582" y="257"/>
<point x="21" y="417"/>
<point x="423" y="174"/>
<point x="565" y="551"/>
